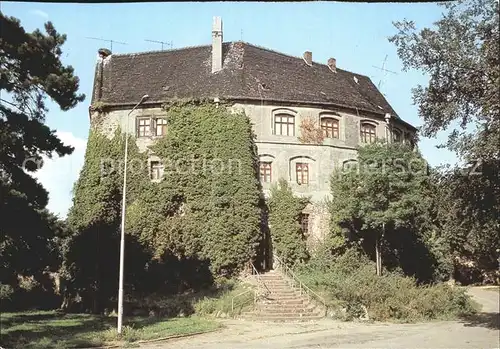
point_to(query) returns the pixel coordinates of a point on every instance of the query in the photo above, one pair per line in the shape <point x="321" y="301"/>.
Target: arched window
<point x="330" y="127"/>
<point x="397" y="135"/>
<point x="265" y="171"/>
<point x="349" y="165"/>
<point x="284" y="124"/>
<point x="302" y="172"/>
<point x="368" y="133"/>
<point x="265" y="168"/>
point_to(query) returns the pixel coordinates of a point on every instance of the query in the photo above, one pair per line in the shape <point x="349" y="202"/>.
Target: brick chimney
<point x="332" y="64"/>
<point x="308" y="58"/>
<point x="216" y="44"/>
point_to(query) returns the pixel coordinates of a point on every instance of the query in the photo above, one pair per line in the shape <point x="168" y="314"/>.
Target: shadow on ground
<point x="60" y="330"/>
<point x="487" y="320"/>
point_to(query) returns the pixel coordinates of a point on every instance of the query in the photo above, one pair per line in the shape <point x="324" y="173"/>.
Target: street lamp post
<point x="122" y="239"/>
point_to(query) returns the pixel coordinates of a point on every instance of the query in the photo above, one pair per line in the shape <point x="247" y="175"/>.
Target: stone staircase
<point x="283" y="302"/>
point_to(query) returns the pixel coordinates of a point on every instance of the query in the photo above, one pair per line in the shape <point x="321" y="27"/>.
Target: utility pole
<point x="161" y="42"/>
<point x="110" y="41"/>
<point x="122" y="238"/>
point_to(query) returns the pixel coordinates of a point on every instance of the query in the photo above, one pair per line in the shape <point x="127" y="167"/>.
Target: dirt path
<point x="481" y="331"/>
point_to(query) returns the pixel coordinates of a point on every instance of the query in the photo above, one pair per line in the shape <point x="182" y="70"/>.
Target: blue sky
<point x="353" y="33"/>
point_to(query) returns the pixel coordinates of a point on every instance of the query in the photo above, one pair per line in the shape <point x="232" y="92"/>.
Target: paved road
<point x="482" y="331"/>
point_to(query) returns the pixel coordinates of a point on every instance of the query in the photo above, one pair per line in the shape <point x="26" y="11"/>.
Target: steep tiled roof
<point x="249" y="72"/>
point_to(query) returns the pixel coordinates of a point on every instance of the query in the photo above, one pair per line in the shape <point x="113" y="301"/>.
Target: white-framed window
<point x="302" y="173"/>
<point x="156" y="169"/>
<point x="330" y="127"/>
<point x="368" y="132"/>
<point x="160" y="127"/>
<point x="284" y="124"/>
<point x="265" y="171"/>
<point x="148" y="126"/>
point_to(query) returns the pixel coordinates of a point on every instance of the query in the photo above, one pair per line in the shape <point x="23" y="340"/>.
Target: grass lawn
<point x="51" y="329"/>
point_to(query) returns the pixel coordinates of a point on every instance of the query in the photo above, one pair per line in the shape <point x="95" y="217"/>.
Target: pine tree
<point x="30" y="71"/>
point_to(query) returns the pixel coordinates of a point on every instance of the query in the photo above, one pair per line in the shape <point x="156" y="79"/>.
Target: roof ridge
<point x="298" y="57"/>
<point x="159" y="51"/>
<point x="229" y="43"/>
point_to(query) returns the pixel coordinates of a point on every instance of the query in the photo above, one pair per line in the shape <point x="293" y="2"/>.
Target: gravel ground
<point x="481" y="331"/>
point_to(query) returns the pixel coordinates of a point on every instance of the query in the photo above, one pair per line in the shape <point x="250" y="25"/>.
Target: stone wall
<point x="282" y="151"/>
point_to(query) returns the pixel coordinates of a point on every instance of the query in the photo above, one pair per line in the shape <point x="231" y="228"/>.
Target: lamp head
<point x="144" y="98"/>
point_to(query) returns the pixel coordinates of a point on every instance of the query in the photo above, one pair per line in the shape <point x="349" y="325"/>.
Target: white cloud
<point x="60" y="173"/>
<point x="40" y="13"/>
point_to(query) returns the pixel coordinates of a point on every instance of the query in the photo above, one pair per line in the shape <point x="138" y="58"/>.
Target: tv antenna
<point x="110" y="41"/>
<point x="162" y="43"/>
<point x="385" y="71"/>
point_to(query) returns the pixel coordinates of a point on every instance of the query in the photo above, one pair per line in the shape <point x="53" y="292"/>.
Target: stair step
<point x="283" y="302"/>
<point x="281" y="318"/>
<point x="285" y="311"/>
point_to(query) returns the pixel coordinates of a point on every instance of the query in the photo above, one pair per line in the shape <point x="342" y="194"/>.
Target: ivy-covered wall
<point x="285" y="209"/>
<point x="209" y="201"/>
<point x="208" y="205"/>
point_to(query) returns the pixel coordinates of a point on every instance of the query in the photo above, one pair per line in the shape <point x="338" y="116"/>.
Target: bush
<point x="6" y="291"/>
<point x="284" y="222"/>
<point x="350" y="285"/>
<point x="223" y="303"/>
<point x="216" y="301"/>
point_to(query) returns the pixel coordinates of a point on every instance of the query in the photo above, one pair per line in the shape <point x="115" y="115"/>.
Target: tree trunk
<point x="378" y="258"/>
<point x="378" y="252"/>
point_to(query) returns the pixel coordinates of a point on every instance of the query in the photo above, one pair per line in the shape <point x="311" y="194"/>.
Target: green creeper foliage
<point x="284" y="223"/>
<point x="91" y="254"/>
<point x="208" y="203"/>
<point x="97" y="193"/>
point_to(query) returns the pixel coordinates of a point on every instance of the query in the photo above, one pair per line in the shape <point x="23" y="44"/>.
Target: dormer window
<point x="368" y="133"/>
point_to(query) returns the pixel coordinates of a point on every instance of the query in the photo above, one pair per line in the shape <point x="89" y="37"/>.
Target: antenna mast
<point x="110" y="41"/>
<point x="382" y="69"/>
<point x="161" y="42"/>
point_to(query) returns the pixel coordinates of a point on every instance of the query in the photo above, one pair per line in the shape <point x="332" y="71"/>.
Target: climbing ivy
<point x="208" y="203"/>
<point x="90" y="266"/>
<point x="284" y="223"/>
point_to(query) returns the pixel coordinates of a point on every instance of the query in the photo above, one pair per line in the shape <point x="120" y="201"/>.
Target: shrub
<point x="6" y="291"/>
<point x="215" y="301"/>
<point x="284" y="223"/>
<point x="350" y="285"/>
<point x="223" y="304"/>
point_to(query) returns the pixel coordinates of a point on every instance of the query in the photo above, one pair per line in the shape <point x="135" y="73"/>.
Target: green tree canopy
<point x="30" y="71"/>
<point x="461" y="55"/>
<point x="386" y="194"/>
